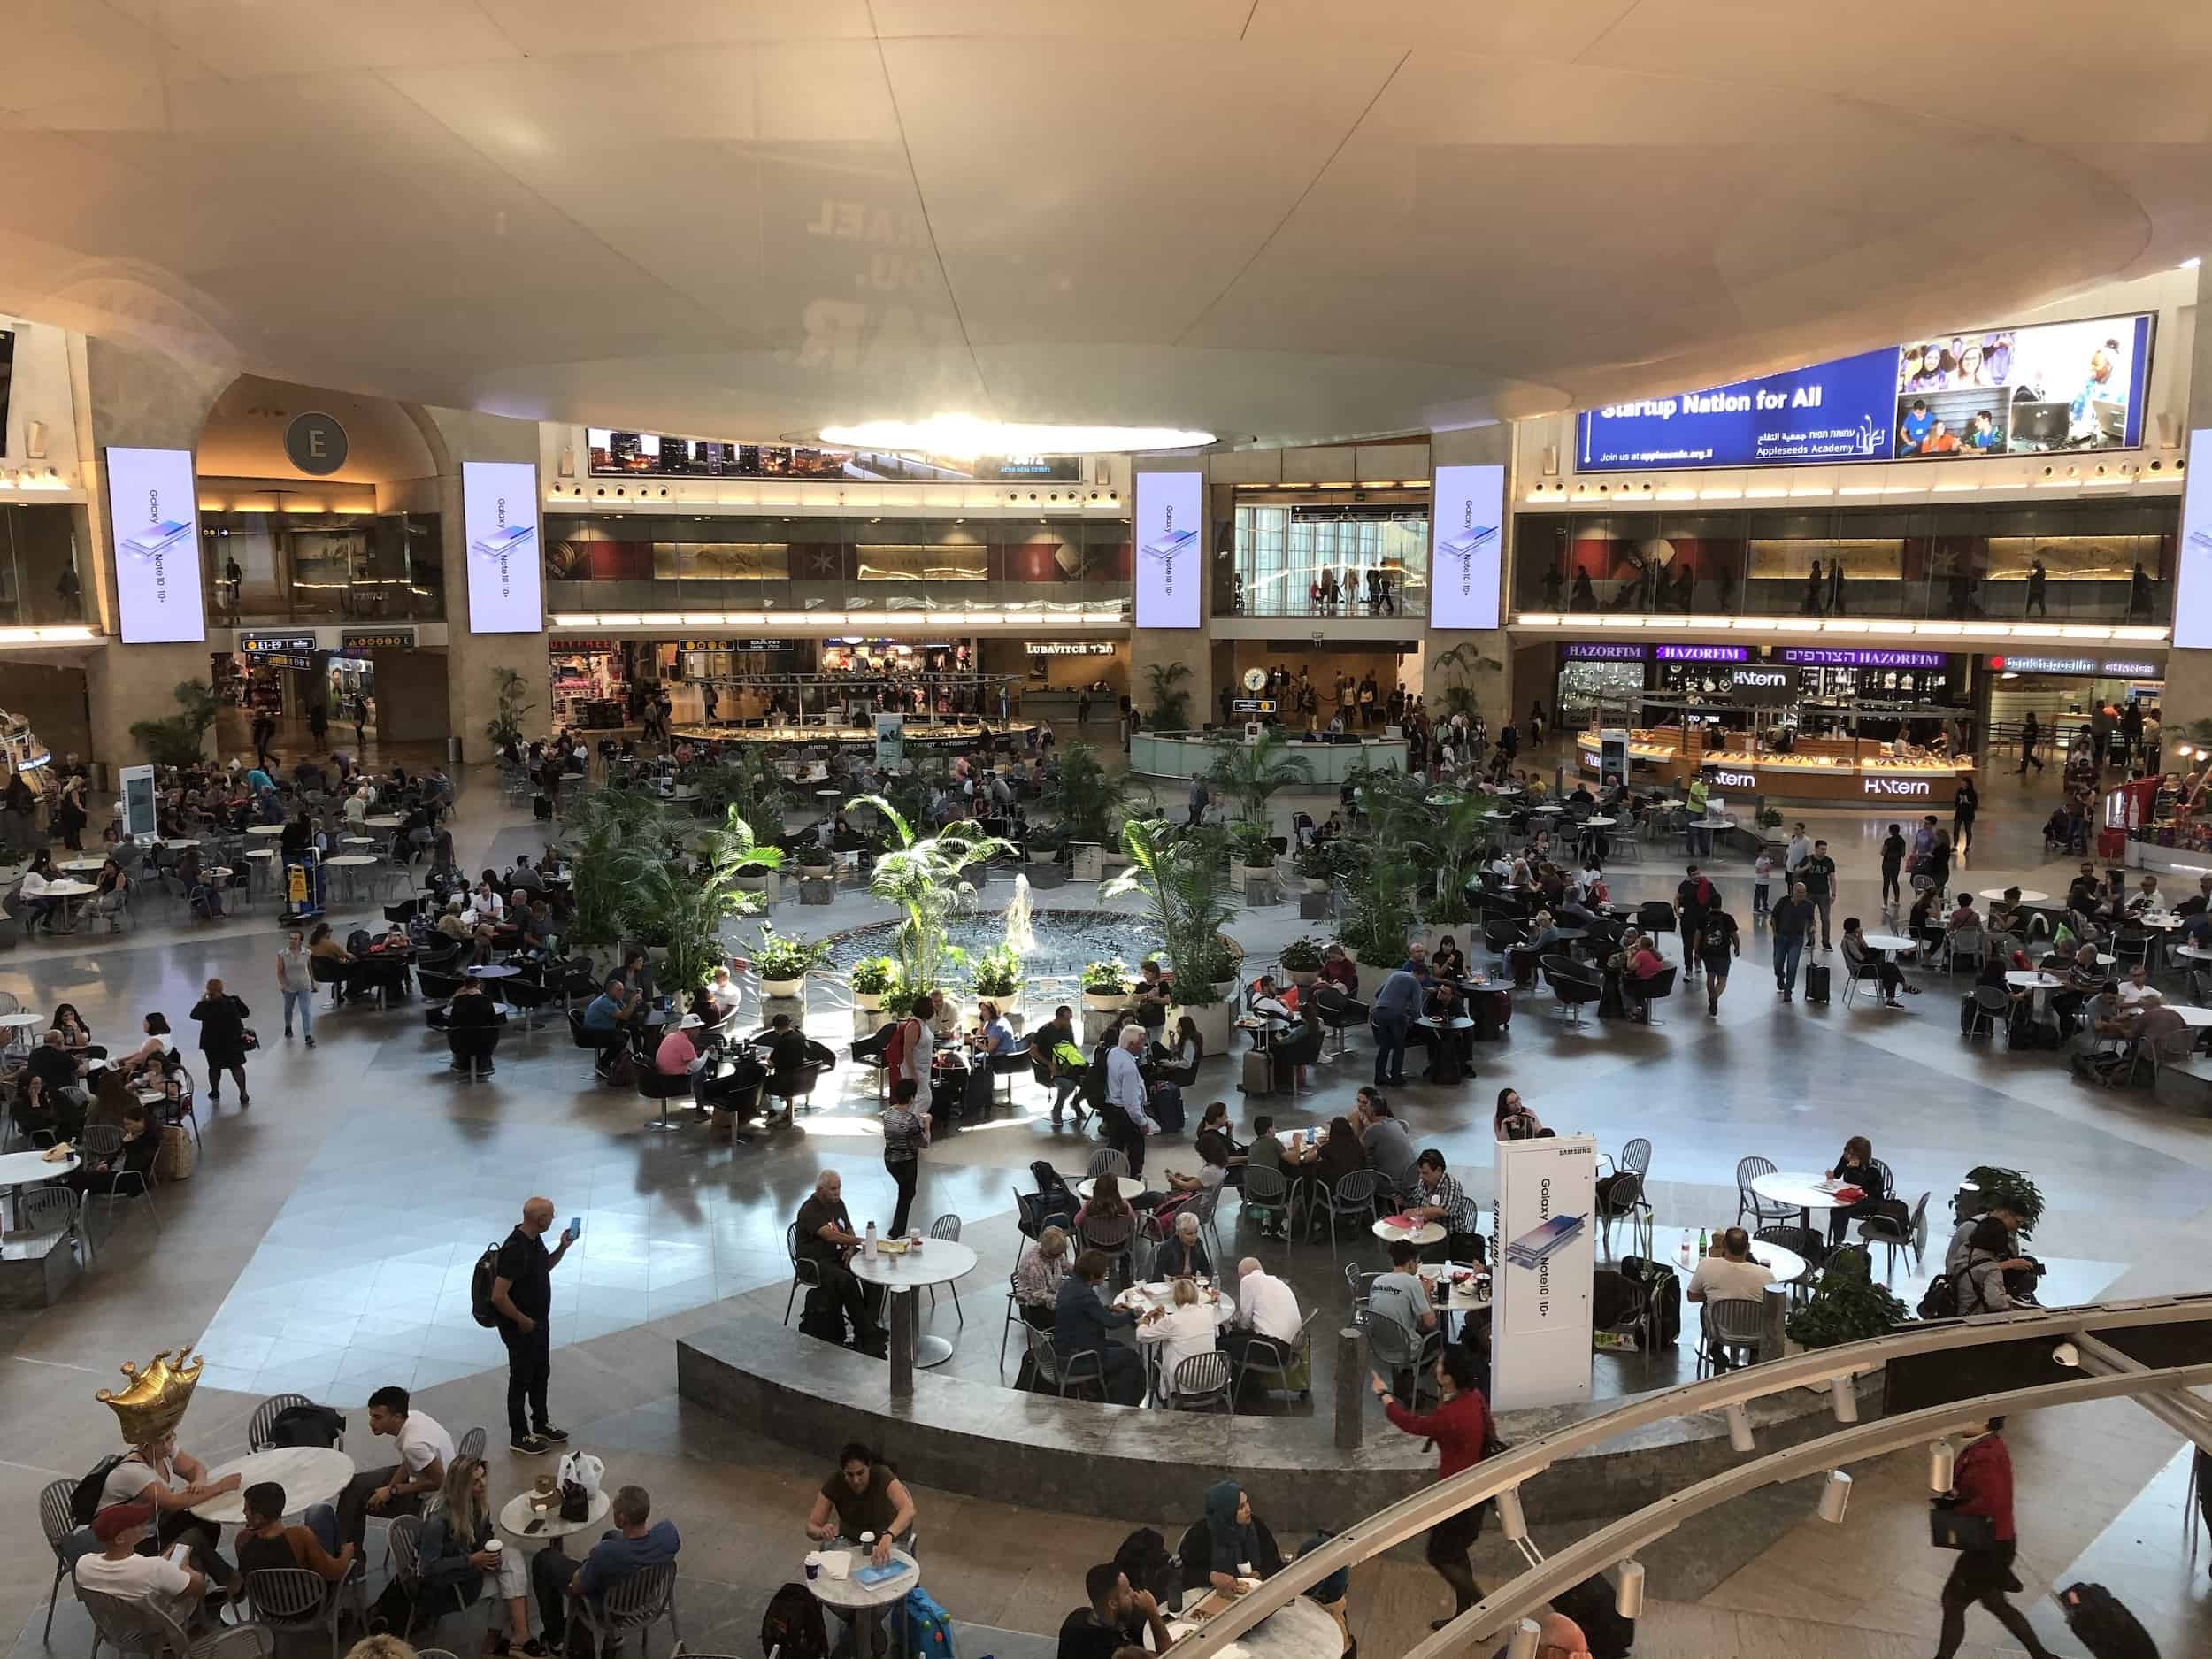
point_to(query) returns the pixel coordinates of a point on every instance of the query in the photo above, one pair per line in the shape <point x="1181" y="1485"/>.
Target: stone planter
<point x="1212" y="1021"/>
<point x="1044" y="856"/>
<point x="868" y="1001"/>
<point x="819" y="873"/>
<point x="786" y="988"/>
<point x="1303" y="976"/>
<point x="1104" y="1001"/>
<point x="1256" y="873"/>
<point x="1371" y="979"/>
<point x="1317" y="884"/>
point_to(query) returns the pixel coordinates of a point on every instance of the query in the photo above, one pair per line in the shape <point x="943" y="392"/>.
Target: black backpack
<point x="306" y="1426"/>
<point x="84" y="1503"/>
<point x="481" y="1280"/>
<point x="792" y="1627"/>
<point x="1941" y="1299"/>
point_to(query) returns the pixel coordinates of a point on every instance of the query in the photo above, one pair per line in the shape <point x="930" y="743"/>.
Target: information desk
<point x="1187" y="755"/>
<point x="1836" y="770"/>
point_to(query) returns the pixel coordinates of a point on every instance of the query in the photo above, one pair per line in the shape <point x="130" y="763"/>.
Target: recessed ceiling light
<point x="965" y="437"/>
<point x="2189" y="265"/>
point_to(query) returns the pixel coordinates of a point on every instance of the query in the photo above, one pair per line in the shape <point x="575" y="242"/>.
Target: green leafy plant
<point x="1177" y="873"/>
<point x="180" y="739"/>
<point x="1251" y="774"/>
<point x="781" y="956"/>
<point x="997" y="972"/>
<point x="1767" y="817"/>
<point x="1313" y="862"/>
<point x="1197" y="986"/>
<point x="1847" y="1306"/>
<point x="1171" y="704"/>
<point x="2012" y="1188"/>
<point x="1381" y="889"/>
<point x="922" y="877"/>
<point x="504" y="728"/>
<point x="1106" y="978"/>
<point x="606" y="834"/>
<point x="873" y="975"/>
<point x="1302" y="955"/>
<point x="746" y="781"/>
<point x="1254" y="846"/>
<point x="679" y="901"/>
<point x="1088" y="797"/>
<point x="1460" y="667"/>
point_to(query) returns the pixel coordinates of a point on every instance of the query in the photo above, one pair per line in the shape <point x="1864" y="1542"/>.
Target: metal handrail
<point x="1390" y="1526"/>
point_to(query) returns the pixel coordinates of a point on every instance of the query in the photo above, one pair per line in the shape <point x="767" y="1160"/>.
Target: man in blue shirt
<point x="605" y="1012"/>
<point x="1983" y="434"/>
<point x="1916" y="426"/>
<point x="1393" y="1009"/>
<point x="637" y="1543"/>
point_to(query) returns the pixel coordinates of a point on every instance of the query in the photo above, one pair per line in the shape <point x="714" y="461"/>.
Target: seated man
<point x="60" y="1075"/>
<point x="827" y="1241"/>
<point x="117" y="1568"/>
<point x="787" y="1061"/>
<point x="425" y="1452"/>
<point x="1451" y="1052"/>
<point x="864" y="1496"/>
<point x="471" y="1022"/>
<point x="1401" y="1297"/>
<point x="265" y="1542"/>
<point x="1266" y="1306"/>
<point x="1728" y="1273"/>
<point x="724" y="991"/>
<point x="607" y="1016"/>
<point x="566" y="1587"/>
<point x="2083" y="979"/>
<point x="678" y="1055"/>
<point x="1441" y="1200"/>
<point x="1083" y="1323"/>
<point x="1117" y="1618"/>
<point x="1864" y="959"/>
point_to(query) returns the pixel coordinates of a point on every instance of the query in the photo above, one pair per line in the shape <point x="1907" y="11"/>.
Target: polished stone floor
<point x="324" y="1244"/>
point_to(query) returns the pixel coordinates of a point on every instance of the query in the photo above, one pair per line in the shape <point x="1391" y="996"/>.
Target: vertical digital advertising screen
<point x="1467" y="532"/>
<point x="1170" y="549"/>
<point x="2193" y="575"/>
<point x="499" y="515"/>
<point x="154" y="518"/>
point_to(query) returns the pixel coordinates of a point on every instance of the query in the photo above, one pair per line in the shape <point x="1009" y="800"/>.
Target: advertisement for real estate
<point x="1469" y="528"/>
<point x="1169" y="529"/>
<point x="1544" y="1257"/>
<point x="153" y="514"/>
<point x="499" y="514"/>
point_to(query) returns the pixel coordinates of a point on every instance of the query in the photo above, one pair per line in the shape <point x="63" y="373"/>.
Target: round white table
<point x="1302" y="1628"/>
<point x="491" y="971"/>
<point x="30" y="1168"/>
<point x="2028" y="895"/>
<point x="178" y="843"/>
<point x="2036" y="981"/>
<point x="1668" y="1242"/>
<point x="384" y="820"/>
<point x="1470" y="1286"/>
<point x="309" y="1474"/>
<point x="83" y="866"/>
<point x="252" y="829"/>
<point x="2195" y="1019"/>
<point x="349" y="862"/>
<point x="1292" y="1138"/>
<point x="1142" y="1299"/>
<point x="1800" y="1187"/>
<point x="1598" y="821"/>
<point x="1427" y="1232"/>
<point x="68" y="890"/>
<point x="516" y="1516"/>
<point x="940" y="1262"/>
<point x="1890" y="944"/>
<point x="862" y="1600"/>
<point x="1547" y="808"/>
<point x="2194" y="953"/>
<point x="19" y="1027"/>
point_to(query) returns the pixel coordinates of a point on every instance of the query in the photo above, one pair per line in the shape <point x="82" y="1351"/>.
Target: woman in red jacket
<point x="1460" y="1425"/>
<point x="1982" y="1481"/>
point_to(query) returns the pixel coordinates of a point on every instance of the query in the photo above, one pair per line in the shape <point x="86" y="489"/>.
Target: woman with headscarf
<point x="1229" y="1543"/>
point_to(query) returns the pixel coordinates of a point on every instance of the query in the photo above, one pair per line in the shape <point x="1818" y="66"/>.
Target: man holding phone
<point x="522" y="1292"/>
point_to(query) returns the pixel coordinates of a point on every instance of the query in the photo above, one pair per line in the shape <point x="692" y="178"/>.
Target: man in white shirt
<point x="1127" y="1123"/>
<point x="724" y="990"/>
<point x="1799" y="848"/>
<point x="2136" y="993"/>
<point x="120" y="1570"/>
<point x="1729" y="1274"/>
<point x="425" y="1452"/>
<point x="1266" y="1306"/>
<point x="356" y="810"/>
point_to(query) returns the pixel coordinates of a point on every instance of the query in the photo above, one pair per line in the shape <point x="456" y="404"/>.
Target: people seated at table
<point x="1641" y="972"/>
<point x="1863" y="959"/>
<point x="827" y="1242"/>
<point x="1182" y="1330"/>
<point x="1400" y="1295"/>
<point x="110" y="894"/>
<point x="1728" y="1273"/>
<point x="36" y="903"/>
<point x="1266" y="1306"/>
<point x="1513" y="1120"/>
<point x="1107" y="1203"/>
<point x="1449" y="962"/>
<point x="607" y="1016"/>
<point x="1389" y="1147"/>
<point x="1437" y="1196"/>
<point x="1178" y="1059"/>
<point x="1083" y="1323"/>
<point x="471" y="1024"/>
<point x="1043" y="1263"/>
<point x="266" y="1544"/>
<point x="425" y="1453"/>
<point x="456" y="1560"/>
<point x="1338" y="970"/>
<point x="1964" y="918"/>
<point x="564" y="1586"/>
<point x="1857" y="1166"/>
<point x="119" y="1569"/>
<point x="1336" y="1155"/>
<point x="678" y="1053"/>
<point x="1923" y="921"/>
<point x="724" y="990"/>
<point x="2085" y="893"/>
<point x="2083" y="979"/>
<point x="1114" y="1616"/>
<point x="1226" y="1544"/>
<point x="127" y="1170"/>
<point x="1214" y="1124"/>
<point x="168" y="1482"/>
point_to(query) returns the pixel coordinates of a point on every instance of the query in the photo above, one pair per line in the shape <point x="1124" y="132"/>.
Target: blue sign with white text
<point x="2051" y="388"/>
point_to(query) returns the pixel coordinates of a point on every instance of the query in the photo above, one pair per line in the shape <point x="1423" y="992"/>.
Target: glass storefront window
<point x="322" y="567"/>
<point x="1326" y="560"/>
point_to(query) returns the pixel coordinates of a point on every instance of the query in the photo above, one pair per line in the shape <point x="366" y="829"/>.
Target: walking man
<point x="2031" y="734"/>
<point x="1792" y="923"/>
<point x="522" y="1294"/>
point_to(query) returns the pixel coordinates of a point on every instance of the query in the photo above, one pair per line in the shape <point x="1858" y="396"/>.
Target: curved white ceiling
<point x="1284" y="219"/>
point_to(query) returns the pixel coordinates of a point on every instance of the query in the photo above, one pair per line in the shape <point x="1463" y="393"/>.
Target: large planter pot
<point x="819" y="873"/>
<point x="1255" y="872"/>
<point x="1317" y="884"/>
<point x="868" y="1001"/>
<point x="1371" y="979"/>
<point x="1105" y="1001"/>
<point x="781" y="988"/>
<point x="1044" y="856"/>
<point x="1303" y="976"/>
<point x="1212" y="1021"/>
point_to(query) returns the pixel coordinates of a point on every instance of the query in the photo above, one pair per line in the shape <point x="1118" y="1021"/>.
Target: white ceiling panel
<point x="1279" y="218"/>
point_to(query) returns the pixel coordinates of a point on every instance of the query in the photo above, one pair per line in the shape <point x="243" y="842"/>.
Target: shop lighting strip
<point x="1830" y="628"/>
<point x="836" y="619"/>
<point x="60" y="634"/>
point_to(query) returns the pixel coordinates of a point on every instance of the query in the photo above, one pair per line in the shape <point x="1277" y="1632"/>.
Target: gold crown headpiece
<point x="154" y="1403"/>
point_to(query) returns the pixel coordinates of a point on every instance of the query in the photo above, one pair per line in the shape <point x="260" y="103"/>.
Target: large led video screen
<point x="1171" y="543"/>
<point x="499" y="515"/>
<point x="2051" y="389"/>
<point x="613" y="454"/>
<point x="153" y="513"/>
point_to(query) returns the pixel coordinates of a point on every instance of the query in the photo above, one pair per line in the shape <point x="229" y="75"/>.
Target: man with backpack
<point x="1695" y="898"/>
<point x="522" y="1295"/>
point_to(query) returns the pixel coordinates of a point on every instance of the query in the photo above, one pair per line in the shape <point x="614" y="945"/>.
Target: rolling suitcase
<point x="2104" y="1625"/>
<point x="1259" y="1073"/>
<point x="1816" y="982"/>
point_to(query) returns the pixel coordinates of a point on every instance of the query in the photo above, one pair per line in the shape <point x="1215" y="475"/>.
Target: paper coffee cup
<point x="493" y="1547"/>
<point x="813" y="1564"/>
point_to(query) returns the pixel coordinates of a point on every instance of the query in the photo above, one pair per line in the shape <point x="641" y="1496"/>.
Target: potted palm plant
<point x="872" y="980"/>
<point x="1202" y="992"/>
<point x="1254" y="846"/>
<point x="1302" y="960"/>
<point x="1105" y="984"/>
<point x="1252" y="773"/>
<point x="783" y="962"/>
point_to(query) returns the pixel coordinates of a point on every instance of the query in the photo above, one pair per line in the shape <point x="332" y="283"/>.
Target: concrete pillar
<point x="472" y="659"/>
<point x="147" y="400"/>
<point x="1490" y="675"/>
<point x="1191" y="647"/>
<point x="1351" y="1389"/>
<point x="902" y="1344"/>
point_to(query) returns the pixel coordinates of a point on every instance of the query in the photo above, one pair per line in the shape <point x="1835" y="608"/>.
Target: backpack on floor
<point x="1816" y="982"/>
<point x="1940" y="1300"/>
<point x="792" y="1627"/>
<point x="928" y="1626"/>
<point x="2103" y="1624"/>
<point x="1663" y="1285"/>
<point x="307" y="1426"/>
<point x="1165" y="1104"/>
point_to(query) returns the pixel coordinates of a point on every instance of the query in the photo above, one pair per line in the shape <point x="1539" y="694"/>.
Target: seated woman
<point x="1214" y="1122"/>
<point x="1229" y="1542"/>
<point x="1448" y="962"/>
<point x="1451" y="1052"/>
<point x="1083" y="1323"/>
<point x="113" y="894"/>
<point x="1857" y="1167"/>
<point x="76" y="1036"/>
<point x="1037" y="1276"/>
<point x="1105" y="1204"/>
<point x="1644" y="966"/>
<point x="1183" y="1256"/>
<point x="1924" y="920"/>
<point x="152" y="1052"/>
<point x="1178" y="1061"/>
<point x="993" y="1033"/>
<point x="1338" y="1154"/>
<point x="1513" y="1121"/>
<point x="44" y="1119"/>
<point x="456" y="1562"/>
<point x="32" y="896"/>
<point x="1863" y="959"/>
<point x="346" y="973"/>
<point x="1181" y="1331"/>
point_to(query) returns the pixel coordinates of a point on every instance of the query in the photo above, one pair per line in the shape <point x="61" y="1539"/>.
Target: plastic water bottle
<point x="1684" y="1252"/>
<point x="869" y="1249"/>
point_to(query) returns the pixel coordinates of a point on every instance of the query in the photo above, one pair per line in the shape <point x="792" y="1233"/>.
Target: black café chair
<point x="1643" y="992"/>
<point x="1337" y="1013"/>
<point x="869" y="1051"/>
<point x="662" y="1087"/>
<point x="1571" y="984"/>
<point x="472" y="1051"/>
